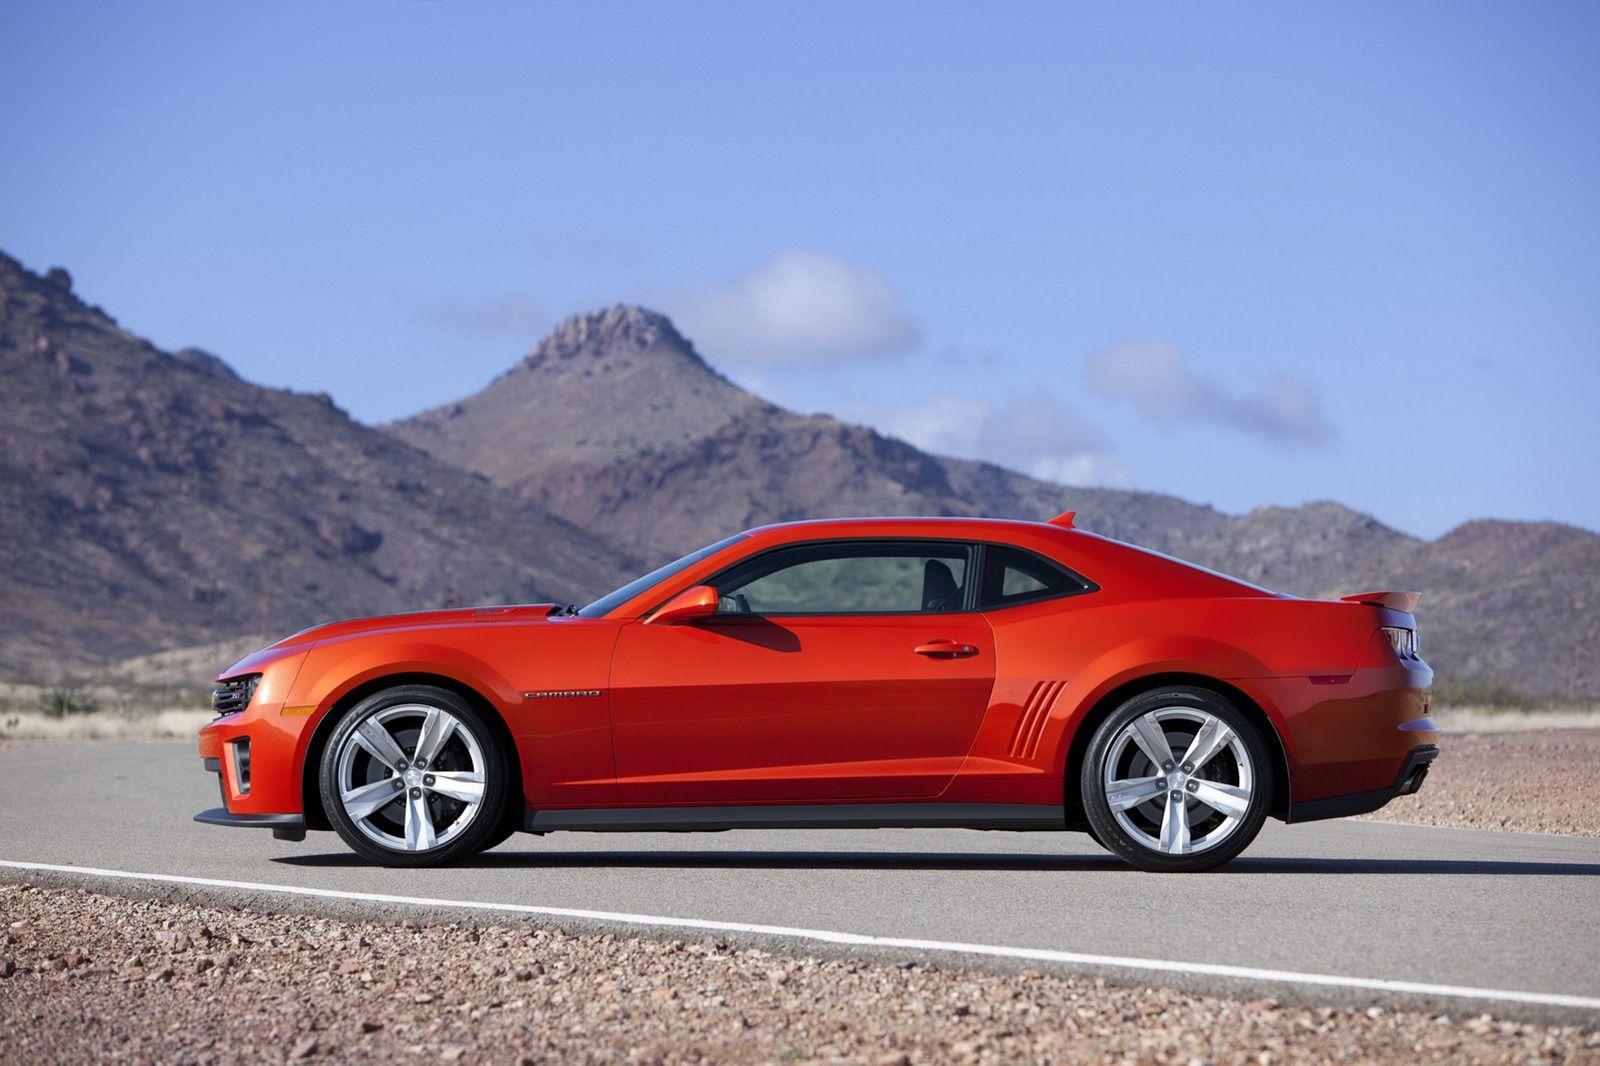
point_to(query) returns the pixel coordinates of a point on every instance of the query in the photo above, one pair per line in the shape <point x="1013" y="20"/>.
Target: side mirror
<point x="691" y="605"/>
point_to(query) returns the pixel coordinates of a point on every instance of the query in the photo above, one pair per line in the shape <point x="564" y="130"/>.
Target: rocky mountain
<point x="616" y="423"/>
<point x="149" y="500"/>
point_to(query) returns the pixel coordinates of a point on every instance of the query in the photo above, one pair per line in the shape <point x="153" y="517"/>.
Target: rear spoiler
<point x="1405" y="602"/>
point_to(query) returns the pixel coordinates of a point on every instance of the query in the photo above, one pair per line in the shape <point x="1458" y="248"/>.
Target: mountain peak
<point x="609" y="332"/>
<point x="604" y="387"/>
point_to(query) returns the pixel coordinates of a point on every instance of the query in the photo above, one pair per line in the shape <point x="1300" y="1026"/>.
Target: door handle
<point x="946" y="649"/>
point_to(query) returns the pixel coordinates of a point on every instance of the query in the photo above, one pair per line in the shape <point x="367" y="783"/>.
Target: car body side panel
<point x="1056" y="660"/>
<point x="548" y="680"/>
<point x="796" y="708"/>
<point x="1319" y="671"/>
<point x="562" y="733"/>
<point x="1352" y="732"/>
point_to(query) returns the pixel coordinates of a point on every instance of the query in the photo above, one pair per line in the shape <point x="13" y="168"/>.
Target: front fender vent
<point x="1030" y="723"/>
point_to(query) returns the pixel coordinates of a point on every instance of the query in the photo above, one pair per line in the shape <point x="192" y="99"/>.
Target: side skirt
<point x="1016" y="816"/>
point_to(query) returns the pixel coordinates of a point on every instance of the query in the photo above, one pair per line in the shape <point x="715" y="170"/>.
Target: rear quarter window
<point x="1012" y="576"/>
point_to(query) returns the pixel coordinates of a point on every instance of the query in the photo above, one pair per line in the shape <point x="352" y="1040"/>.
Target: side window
<point x="1012" y="575"/>
<point x="849" y="577"/>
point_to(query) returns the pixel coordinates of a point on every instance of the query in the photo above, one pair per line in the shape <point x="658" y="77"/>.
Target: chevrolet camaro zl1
<point x="853" y="673"/>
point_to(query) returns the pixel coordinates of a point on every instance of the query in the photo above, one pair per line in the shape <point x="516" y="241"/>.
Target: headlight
<point x="234" y="694"/>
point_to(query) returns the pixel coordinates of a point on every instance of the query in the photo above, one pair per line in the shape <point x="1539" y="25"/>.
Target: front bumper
<point x="283" y="826"/>
<point x="256" y="754"/>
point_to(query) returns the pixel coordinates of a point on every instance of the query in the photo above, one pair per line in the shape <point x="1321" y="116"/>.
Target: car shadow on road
<point x="742" y="860"/>
<point x="958" y="861"/>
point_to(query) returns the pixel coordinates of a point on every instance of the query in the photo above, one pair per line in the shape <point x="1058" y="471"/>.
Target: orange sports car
<point x="852" y="673"/>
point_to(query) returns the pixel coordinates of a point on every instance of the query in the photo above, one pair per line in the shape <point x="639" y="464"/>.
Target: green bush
<point x="58" y="701"/>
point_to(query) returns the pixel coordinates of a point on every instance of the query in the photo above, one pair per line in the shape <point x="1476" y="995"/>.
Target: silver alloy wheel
<point x="411" y="777"/>
<point x="1178" y="804"/>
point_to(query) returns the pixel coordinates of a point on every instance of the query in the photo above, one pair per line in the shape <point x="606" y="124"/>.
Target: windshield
<point x="612" y="600"/>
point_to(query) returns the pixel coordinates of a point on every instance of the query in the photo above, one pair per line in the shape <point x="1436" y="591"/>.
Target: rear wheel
<point x="1177" y="780"/>
<point x="413" y="776"/>
<point x="505" y="832"/>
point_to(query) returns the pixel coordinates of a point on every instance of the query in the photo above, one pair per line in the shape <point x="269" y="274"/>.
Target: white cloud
<point x="800" y="307"/>
<point x="1035" y="434"/>
<point x="1156" y="378"/>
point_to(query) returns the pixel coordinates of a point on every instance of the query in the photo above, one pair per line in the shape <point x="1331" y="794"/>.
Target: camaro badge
<point x="560" y="693"/>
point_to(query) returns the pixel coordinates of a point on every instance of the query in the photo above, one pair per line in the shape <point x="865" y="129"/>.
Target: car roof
<point x="955" y="527"/>
<point x="1133" y="570"/>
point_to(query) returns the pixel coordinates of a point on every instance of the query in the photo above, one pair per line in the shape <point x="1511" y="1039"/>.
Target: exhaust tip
<point x="1414" y="782"/>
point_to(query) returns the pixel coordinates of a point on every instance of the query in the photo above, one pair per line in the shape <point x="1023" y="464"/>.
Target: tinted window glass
<point x="858" y="577"/>
<point x="612" y="600"/>
<point x="1012" y="575"/>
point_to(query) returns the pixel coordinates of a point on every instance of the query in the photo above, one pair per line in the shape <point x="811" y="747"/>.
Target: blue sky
<point x="1244" y="253"/>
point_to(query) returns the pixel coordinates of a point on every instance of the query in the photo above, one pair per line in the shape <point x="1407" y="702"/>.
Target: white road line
<point x="827" y="936"/>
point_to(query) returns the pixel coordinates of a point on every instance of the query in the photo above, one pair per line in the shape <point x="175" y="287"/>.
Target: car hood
<point x="303" y="640"/>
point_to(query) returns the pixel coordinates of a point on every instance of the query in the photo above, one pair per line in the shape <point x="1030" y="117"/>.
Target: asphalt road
<point x="1366" y="901"/>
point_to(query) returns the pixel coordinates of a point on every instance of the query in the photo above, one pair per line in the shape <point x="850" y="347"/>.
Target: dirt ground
<point x="1519" y="781"/>
<point x="86" y="977"/>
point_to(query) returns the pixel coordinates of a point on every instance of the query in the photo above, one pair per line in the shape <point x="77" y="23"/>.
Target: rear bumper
<point x="1351" y="733"/>
<point x="1406" y="782"/>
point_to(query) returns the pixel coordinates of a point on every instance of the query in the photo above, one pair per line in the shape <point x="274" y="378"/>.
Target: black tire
<point x="1183" y="711"/>
<point x="483" y="822"/>
<point x="508" y="828"/>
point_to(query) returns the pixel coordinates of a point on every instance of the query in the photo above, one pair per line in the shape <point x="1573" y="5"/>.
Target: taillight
<point x="1403" y="641"/>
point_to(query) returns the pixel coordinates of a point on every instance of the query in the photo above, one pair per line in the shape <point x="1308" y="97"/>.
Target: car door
<point x="834" y="670"/>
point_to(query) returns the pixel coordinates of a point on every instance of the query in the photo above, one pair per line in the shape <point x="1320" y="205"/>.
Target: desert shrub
<point x="66" y="698"/>
<point x="1479" y="691"/>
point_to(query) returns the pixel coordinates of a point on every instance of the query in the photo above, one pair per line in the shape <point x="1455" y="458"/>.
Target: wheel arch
<point x="311" y="794"/>
<point x="1116" y="697"/>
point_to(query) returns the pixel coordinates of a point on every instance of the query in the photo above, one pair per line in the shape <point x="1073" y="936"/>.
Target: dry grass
<point x="1476" y="720"/>
<point x="166" y="694"/>
<point x="153" y="724"/>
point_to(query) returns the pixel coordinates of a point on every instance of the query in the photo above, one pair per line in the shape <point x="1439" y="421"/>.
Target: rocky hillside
<point x="150" y="499"/>
<point x="616" y="423"/>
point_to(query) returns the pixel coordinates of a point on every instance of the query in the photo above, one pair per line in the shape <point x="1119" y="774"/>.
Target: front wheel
<point x="413" y="776"/>
<point x="1177" y="780"/>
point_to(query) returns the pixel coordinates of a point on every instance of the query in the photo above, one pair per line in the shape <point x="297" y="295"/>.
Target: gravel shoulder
<point x="86" y="977"/>
<point x="1507" y="781"/>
